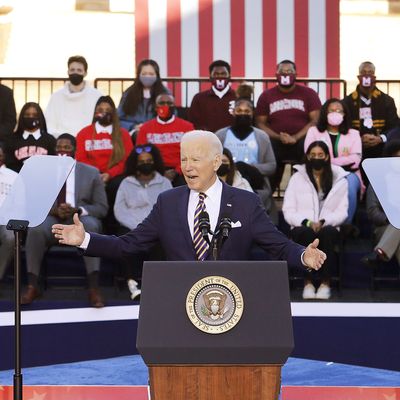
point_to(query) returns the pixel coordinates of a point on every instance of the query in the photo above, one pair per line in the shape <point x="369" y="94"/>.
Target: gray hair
<point x="368" y="63"/>
<point x="210" y="137"/>
<point x="165" y="94"/>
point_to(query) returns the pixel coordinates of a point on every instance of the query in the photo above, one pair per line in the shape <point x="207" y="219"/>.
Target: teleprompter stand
<point x="27" y="205"/>
<point x="18" y="227"/>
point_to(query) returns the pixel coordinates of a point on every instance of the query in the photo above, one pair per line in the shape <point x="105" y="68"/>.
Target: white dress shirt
<point x="212" y="203"/>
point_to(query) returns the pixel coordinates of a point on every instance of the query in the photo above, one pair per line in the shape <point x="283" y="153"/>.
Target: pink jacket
<point x="301" y="199"/>
<point x="349" y="148"/>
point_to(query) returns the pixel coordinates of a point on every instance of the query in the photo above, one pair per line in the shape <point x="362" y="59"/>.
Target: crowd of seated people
<point x="127" y="155"/>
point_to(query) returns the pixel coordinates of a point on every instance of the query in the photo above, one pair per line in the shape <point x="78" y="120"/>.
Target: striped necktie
<point x="200" y="245"/>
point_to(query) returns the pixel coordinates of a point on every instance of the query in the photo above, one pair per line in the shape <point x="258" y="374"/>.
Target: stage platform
<point x="141" y="393"/>
<point x="126" y="378"/>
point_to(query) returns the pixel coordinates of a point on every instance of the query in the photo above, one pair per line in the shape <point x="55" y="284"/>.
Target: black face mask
<point x="30" y="122"/>
<point x="242" y="126"/>
<point x="223" y="170"/>
<point x="145" y="169"/>
<point x="317" y="163"/>
<point x="104" y="119"/>
<point x="75" y="79"/>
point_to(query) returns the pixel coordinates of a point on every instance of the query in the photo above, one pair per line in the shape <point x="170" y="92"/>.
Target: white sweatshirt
<point x="69" y="112"/>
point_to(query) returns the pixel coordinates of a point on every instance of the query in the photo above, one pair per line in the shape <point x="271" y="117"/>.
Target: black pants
<point x="328" y="237"/>
<point x="285" y="152"/>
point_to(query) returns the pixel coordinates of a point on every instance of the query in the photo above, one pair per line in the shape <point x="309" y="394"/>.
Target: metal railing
<point x="40" y="89"/>
<point x="184" y="89"/>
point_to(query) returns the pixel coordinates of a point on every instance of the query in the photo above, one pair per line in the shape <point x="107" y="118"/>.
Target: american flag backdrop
<point x="185" y="36"/>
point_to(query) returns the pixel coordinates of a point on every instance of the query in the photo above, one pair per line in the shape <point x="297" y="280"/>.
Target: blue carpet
<point x="130" y="370"/>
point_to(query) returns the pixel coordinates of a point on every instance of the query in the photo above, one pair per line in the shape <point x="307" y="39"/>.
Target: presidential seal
<point x="214" y="304"/>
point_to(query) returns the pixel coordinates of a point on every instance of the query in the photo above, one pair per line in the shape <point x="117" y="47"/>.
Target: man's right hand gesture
<point x="72" y="235"/>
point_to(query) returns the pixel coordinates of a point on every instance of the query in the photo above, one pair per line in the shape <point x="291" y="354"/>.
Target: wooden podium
<point x="186" y="363"/>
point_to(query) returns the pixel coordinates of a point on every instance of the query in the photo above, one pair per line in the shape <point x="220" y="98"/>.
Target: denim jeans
<point x="354" y="187"/>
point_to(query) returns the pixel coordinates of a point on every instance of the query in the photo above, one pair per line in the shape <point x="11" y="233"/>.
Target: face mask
<point x="165" y="111"/>
<point x="75" y="79"/>
<point x="147" y="81"/>
<point x="145" y="169"/>
<point x="367" y="81"/>
<point x="286" y="80"/>
<point x="30" y="123"/>
<point x="223" y="170"/>
<point x="335" y="118"/>
<point x="317" y="163"/>
<point x="243" y="120"/>
<point x="220" y="83"/>
<point x="64" y="153"/>
<point x="104" y="119"/>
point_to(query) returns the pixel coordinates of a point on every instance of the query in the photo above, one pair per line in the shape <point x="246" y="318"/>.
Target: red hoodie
<point x="96" y="149"/>
<point x="167" y="137"/>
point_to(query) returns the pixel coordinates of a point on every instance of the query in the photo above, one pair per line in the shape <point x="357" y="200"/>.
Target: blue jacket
<point x="168" y="224"/>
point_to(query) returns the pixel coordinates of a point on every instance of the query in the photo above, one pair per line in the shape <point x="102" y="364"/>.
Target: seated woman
<point x="30" y="138"/>
<point x="138" y="101"/>
<point x="229" y="174"/>
<point x="250" y="146"/>
<point x="104" y="144"/>
<point x="315" y="205"/>
<point x="387" y="237"/>
<point x="345" y="148"/>
<point x="136" y="197"/>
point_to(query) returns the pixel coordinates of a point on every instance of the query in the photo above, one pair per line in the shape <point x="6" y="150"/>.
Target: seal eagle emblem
<point x="214" y="304"/>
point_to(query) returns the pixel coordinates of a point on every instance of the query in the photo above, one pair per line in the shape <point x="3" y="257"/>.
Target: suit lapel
<point x="226" y="207"/>
<point x="225" y="210"/>
<point x="77" y="182"/>
<point x="183" y="203"/>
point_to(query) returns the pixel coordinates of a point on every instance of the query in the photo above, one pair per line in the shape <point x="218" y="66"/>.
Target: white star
<point x="391" y="397"/>
<point x="37" y="396"/>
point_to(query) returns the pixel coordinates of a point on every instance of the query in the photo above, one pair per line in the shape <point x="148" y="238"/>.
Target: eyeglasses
<point x="140" y="150"/>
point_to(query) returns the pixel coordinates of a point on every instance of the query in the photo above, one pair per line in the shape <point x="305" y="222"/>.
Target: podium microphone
<point x="204" y="225"/>
<point x="225" y="226"/>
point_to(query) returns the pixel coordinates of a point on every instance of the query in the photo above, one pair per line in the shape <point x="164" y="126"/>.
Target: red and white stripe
<point x="185" y="36"/>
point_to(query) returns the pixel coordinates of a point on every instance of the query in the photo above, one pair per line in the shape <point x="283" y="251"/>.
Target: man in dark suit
<point x="174" y="219"/>
<point x="83" y="194"/>
<point x="8" y="115"/>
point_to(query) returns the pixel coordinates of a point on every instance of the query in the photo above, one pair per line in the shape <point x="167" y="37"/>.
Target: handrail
<point x="39" y="89"/>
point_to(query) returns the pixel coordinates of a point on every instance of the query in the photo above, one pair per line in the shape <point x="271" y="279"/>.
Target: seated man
<point x="386" y="235"/>
<point x="286" y="112"/>
<point x="211" y="110"/>
<point x="373" y="112"/>
<point x="84" y="194"/>
<point x="7" y="178"/>
<point x="165" y="131"/>
<point x="71" y="108"/>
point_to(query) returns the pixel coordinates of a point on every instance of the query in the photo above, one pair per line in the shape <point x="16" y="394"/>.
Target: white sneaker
<point x="323" y="292"/>
<point x="309" y="291"/>
<point x="133" y="288"/>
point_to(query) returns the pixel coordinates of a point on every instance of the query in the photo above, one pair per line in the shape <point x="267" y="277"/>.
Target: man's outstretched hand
<point x="313" y="257"/>
<point x="72" y="235"/>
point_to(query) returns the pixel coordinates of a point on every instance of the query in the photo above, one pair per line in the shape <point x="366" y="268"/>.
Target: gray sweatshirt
<point x="134" y="201"/>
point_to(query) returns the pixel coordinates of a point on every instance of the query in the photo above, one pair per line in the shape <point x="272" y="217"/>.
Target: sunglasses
<point x="146" y="149"/>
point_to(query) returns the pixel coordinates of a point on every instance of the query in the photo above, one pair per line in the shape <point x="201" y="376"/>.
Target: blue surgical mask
<point x="147" y="81"/>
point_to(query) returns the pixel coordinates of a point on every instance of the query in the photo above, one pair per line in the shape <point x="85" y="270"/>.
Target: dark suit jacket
<point x="167" y="223"/>
<point x="89" y="190"/>
<point x="7" y="112"/>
